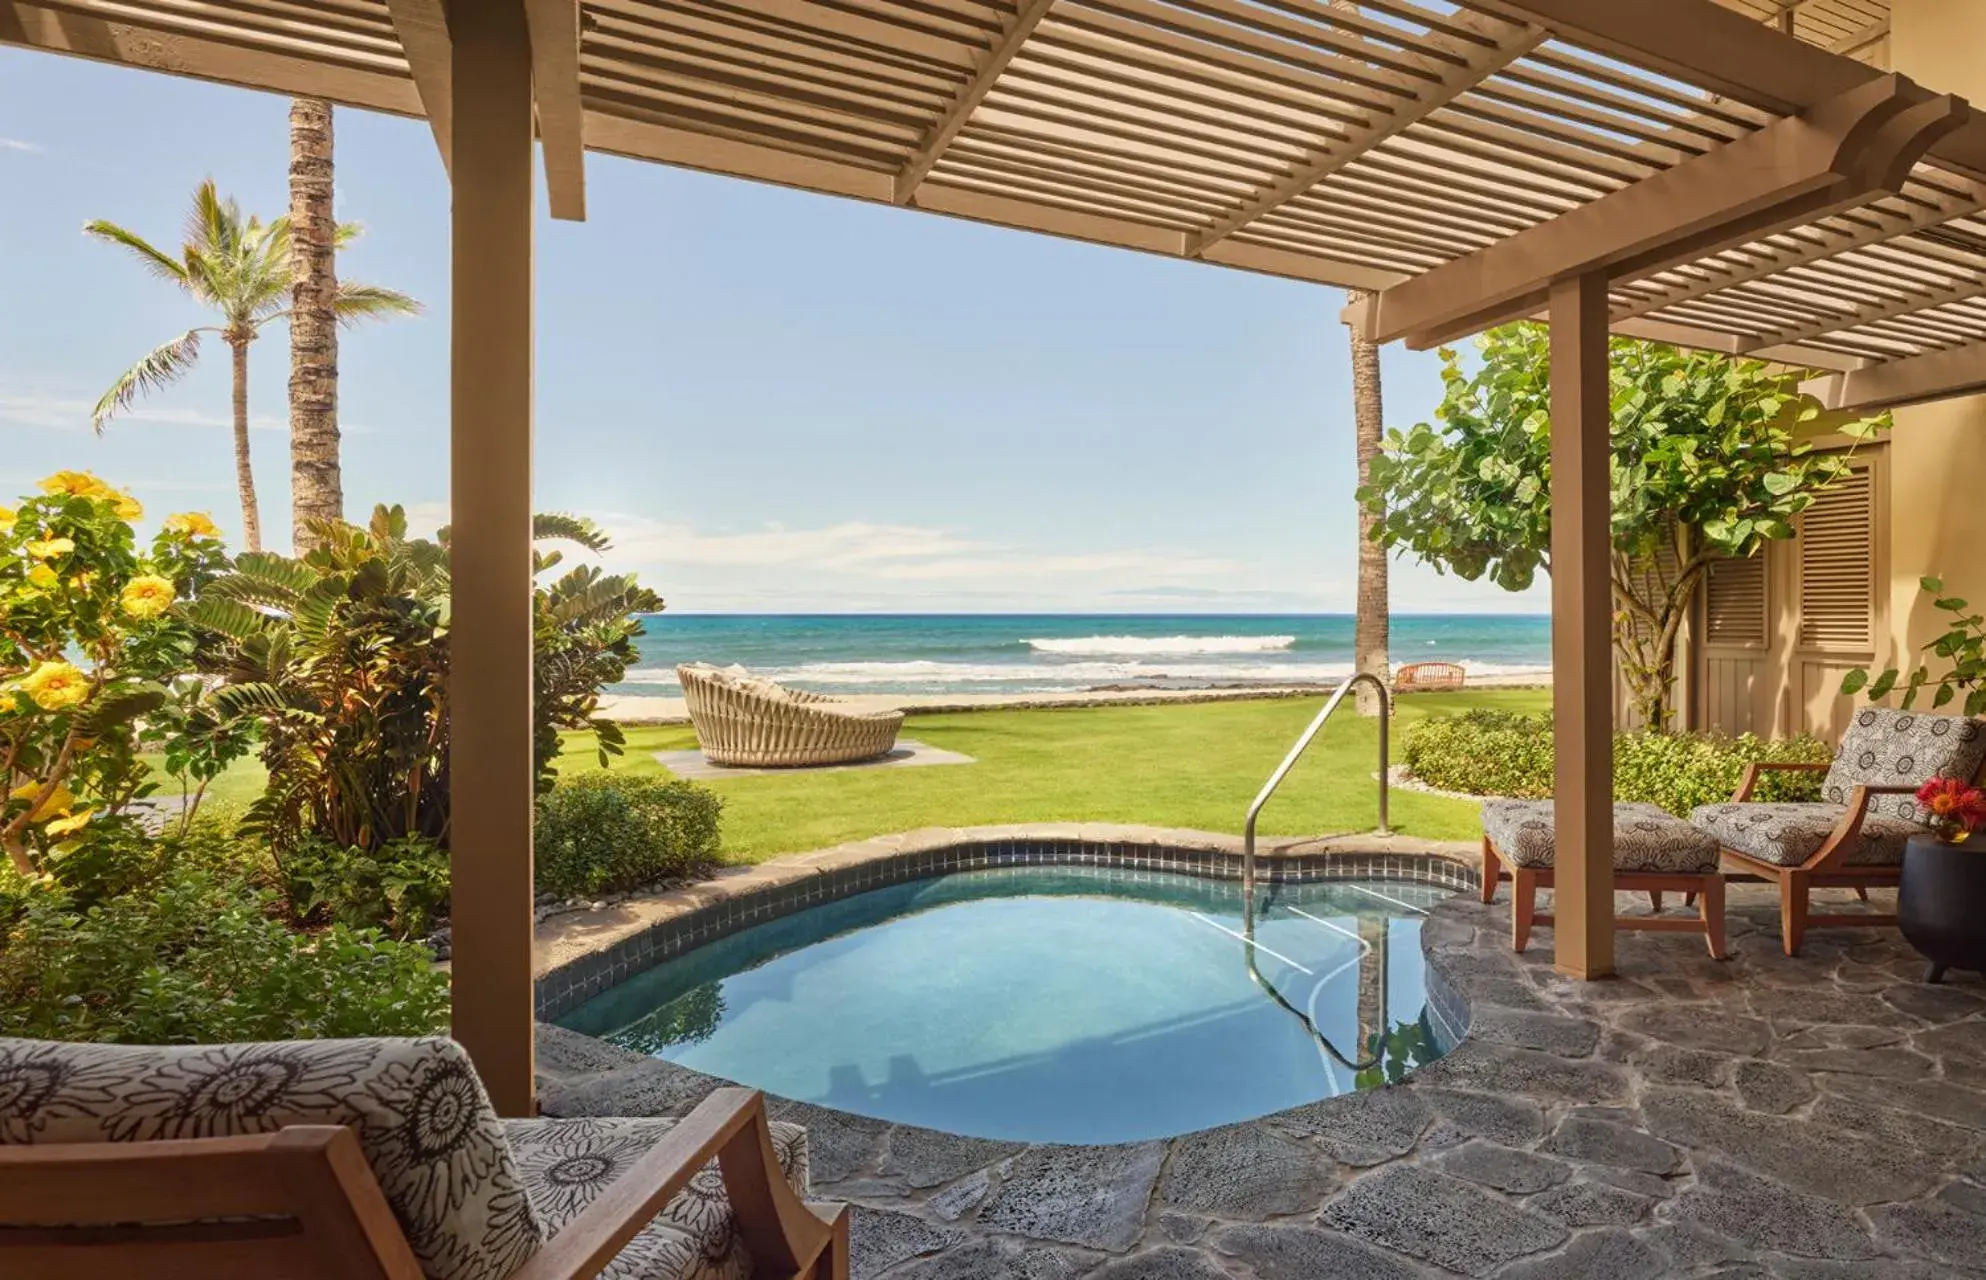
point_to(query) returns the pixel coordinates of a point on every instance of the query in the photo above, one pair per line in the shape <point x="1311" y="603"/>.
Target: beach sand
<point x="637" y="709"/>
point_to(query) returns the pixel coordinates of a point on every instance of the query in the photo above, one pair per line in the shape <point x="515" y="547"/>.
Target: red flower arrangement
<point x="1955" y="808"/>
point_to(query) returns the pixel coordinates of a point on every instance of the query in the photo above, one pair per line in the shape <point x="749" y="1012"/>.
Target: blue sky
<point x="775" y="401"/>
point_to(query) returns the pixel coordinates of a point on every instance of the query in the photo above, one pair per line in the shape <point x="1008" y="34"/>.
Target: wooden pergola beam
<point x="1818" y="242"/>
<point x="126" y="44"/>
<point x="1935" y="375"/>
<point x="1835" y="156"/>
<point x="1859" y="40"/>
<point x="1422" y="99"/>
<point x="422" y="26"/>
<point x="1905" y="304"/>
<point x="985" y="74"/>
<point x="561" y="119"/>
<point x="1702" y="43"/>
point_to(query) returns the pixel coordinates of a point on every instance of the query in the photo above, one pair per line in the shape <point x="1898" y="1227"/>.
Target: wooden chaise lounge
<point x="1654" y="852"/>
<point x="1852" y="837"/>
<point x="378" y="1160"/>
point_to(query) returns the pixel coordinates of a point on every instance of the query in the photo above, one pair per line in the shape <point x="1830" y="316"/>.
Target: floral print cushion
<point x="1646" y="837"/>
<point x="568" y="1163"/>
<point x="427" y="1127"/>
<point x="1786" y="835"/>
<point x="1902" y="749"/>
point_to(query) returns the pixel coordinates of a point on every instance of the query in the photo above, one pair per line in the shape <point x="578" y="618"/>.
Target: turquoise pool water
<point x="1060" y="1004"/>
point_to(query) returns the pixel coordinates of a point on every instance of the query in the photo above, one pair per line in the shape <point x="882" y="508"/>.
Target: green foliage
<point x="173" y="940"/>
<point x="401" y="887"/>
<point x="91" y="656"/>
<point x="340" y="658"/>
<point x="1705" y="464"/>
<point x="691" y="1018"/>
<point x="1963" y="645"/>
<point x="1397" y="1052"/>
<point x="1497" y="754"/>
<point x="605" y="833"/>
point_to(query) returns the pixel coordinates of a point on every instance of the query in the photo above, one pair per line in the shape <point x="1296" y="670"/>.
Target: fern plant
<point x="340" y="657"/>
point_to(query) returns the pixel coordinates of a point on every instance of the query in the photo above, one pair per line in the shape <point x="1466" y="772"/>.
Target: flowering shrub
<point x="89" y="643"/>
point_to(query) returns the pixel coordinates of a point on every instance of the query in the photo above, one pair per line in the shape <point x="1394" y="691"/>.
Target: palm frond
<point x="548" y="525"/>
<point x="346" y="232"/>
<point x="162" y="366"/>
<point x="230" y="618"/>
<point x="357" y="302"/>
<point x="213" y="224"/>
<point x="149" y="256"/>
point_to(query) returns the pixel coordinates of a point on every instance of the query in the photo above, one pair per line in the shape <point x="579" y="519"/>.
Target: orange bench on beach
<point x="1429" y="677"/>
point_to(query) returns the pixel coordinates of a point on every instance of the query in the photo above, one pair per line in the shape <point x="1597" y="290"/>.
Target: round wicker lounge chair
<point x="1429" y="677"/>
<point x="744" y="721"/>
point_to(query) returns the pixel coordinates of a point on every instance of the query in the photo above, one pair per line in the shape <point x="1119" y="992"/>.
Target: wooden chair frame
<point x="1705" y="888"/>
<point x="1826" y="868"/>
<point x="302" y="1204"/>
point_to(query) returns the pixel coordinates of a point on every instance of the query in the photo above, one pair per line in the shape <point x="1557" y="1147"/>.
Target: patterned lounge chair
<point x="1853" y="836"/>
<point x="382" y="1159"/>
<point x="1654" y="851"/>
<point x="745" y="721"/>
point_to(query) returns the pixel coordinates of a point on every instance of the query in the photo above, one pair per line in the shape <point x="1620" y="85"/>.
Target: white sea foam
<point x="1023" y="677"/>
<point x="1112" y="646"/>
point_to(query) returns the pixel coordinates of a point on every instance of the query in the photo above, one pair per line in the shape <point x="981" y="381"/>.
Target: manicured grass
<point x="1192" y="765"/>
<point x="1196" y="765"/>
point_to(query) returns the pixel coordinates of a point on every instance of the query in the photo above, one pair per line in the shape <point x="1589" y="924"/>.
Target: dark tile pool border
<point x="566" y="987"/>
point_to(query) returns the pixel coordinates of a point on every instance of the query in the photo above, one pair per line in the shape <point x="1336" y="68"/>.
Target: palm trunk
<point x="316" y="485"/>
<point x="244" y="471"/>
<point x="1370" y="634"/>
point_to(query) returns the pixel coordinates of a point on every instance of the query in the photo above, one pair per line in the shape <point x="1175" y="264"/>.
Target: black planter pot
<point x="1941" y="903"/>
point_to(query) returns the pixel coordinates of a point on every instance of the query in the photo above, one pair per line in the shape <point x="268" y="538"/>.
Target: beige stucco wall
<point x="1938" y="451"/>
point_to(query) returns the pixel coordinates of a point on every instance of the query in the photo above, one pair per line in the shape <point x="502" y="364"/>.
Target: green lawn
<point x="1194" y="765"/>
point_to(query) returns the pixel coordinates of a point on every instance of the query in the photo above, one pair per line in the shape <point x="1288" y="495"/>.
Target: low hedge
<point x="1497" y="753"/>
<point x="607" y="833"/>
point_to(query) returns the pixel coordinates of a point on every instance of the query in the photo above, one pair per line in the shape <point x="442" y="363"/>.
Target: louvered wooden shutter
<point x="1837" y="566"/>
<point x="1734" y="595"/>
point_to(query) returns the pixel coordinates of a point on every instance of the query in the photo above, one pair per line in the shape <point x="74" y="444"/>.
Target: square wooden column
<point x="489" y="688"/>
<point x="1582" y="618"/>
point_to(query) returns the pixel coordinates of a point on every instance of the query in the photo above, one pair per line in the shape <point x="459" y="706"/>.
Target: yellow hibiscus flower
<point x="128" y="507"/>
<point x="55" y="686"/>
<point x="69" y="824"/>
<point x="147" y="596"/>
<point x="193" y="524"/>
<point x="75" y="484"/>
<point x="43" y="578"/>
<point x="49" y="548"/>
<point x="6" y="519"/>
<point x="46" y="804"/>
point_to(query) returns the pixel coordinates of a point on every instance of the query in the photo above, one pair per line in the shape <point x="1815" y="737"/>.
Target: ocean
<point x="1029" y="653"/>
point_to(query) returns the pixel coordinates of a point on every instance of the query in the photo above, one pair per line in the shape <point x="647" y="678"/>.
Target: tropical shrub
<point x="340" y="658"/>
<point x="90" y="645"/>
<point x="400" y="887"/>
<point x="606" y="833"/>
<point x="1500" y="754"/>
<point x="1706" y="463"/>
<point x="199" y="958"/>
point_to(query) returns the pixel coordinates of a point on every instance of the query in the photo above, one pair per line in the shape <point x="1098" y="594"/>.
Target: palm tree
<point x="317" y="491"/>
<point x="240" y="268"/>
<point x="1370" y="630"/>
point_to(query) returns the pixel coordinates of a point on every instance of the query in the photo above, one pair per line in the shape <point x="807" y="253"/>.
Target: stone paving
<point x="1762" y="1118"/>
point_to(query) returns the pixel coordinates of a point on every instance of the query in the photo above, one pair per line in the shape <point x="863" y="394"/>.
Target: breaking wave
<point x="1168" y="646"/>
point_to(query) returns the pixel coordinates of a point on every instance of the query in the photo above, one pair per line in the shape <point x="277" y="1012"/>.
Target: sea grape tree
<point x="1709" y="461"/>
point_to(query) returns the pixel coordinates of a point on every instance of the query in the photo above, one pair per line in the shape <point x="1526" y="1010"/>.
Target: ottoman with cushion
<point x="1853" y="836"/>
<point x="378" y="1160"/>
<point x="1654" y="851"/>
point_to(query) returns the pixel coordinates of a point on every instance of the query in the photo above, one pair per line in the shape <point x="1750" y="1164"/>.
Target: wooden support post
<point x="489" y="689"/>
<point x="1582" y="612"/>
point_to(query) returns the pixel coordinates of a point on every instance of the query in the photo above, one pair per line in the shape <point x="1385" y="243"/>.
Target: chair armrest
<point x="1835" y="847"/>
<point x="1752" y="771"/>
<point x="782" y="1234"/>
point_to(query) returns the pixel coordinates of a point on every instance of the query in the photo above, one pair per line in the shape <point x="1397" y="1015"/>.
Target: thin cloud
<point x="17" y="144"/>
<point x="36" y="410"/>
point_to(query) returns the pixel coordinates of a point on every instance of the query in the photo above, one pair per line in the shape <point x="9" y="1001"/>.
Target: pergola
<point x="1674" y="169"/>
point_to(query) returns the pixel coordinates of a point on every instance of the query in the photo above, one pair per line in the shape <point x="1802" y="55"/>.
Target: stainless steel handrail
<point x="1289" y="762"/>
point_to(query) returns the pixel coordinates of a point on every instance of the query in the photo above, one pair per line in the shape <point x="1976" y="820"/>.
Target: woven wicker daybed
<point x="744" y="721"/>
